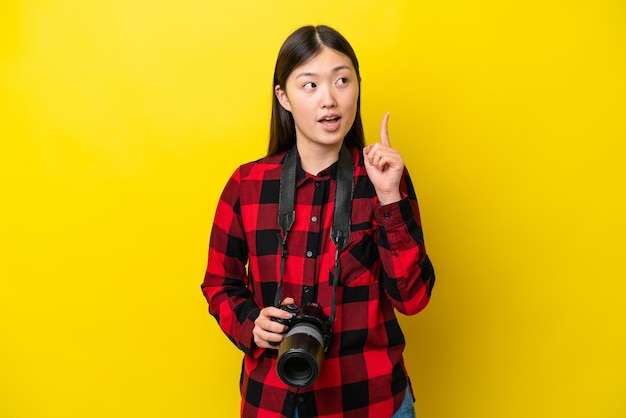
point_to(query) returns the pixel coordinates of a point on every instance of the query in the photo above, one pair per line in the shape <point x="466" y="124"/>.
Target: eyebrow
<point x="334" y="70"/>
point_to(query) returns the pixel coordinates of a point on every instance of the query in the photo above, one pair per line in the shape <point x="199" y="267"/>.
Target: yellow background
<point x="121" y="120"/>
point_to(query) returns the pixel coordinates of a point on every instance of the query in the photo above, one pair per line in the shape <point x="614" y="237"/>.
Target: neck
<point x="315" y="157"/>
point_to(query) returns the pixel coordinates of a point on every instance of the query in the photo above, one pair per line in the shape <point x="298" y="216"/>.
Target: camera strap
<point x="340" y="230"/>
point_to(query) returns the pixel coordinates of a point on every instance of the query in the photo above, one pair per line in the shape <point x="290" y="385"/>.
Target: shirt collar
<point x="327" y="173"/>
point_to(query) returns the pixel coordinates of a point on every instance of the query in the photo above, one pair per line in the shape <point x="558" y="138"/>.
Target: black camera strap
<point x="340" y="230"/>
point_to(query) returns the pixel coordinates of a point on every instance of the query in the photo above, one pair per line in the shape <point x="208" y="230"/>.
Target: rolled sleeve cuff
<point x="393" y="214"/>
<point x="246" y="337"/>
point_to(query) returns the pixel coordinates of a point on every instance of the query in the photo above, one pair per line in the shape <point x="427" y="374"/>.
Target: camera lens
<point x="298" y="370"/>
<point x="300" y="355"/>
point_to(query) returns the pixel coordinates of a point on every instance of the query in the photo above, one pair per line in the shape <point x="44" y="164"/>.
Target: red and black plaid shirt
<point x="383" y="267"/>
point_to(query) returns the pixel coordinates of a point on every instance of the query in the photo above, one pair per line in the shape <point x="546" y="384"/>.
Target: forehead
<point x="326" y="61"/>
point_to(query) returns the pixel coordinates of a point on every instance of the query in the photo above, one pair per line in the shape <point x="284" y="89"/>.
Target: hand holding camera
<point x="302" y="336"/>
<point x="301" y="352"/>
<point x="268" y="333"/>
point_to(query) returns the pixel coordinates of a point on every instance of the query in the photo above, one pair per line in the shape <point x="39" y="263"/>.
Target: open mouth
<point x="330" y="119"/>
<point x="330" y="124"/>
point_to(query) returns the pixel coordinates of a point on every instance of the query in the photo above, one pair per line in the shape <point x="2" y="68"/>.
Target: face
<point x="322" y="95"/>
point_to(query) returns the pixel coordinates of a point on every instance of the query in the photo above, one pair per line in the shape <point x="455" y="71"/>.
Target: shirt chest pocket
<point x="360" y="261"/>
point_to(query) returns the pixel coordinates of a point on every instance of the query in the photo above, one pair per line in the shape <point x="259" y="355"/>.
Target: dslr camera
<point x="307" y="338"/>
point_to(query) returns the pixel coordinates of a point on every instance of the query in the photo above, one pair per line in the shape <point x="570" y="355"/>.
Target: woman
<point x="348" y="239"/>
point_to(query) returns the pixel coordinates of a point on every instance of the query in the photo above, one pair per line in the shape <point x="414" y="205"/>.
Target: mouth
<point x="330" y="122"/>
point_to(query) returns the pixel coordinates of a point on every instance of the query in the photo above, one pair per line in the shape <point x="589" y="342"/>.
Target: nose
<point x="328" y="98"/>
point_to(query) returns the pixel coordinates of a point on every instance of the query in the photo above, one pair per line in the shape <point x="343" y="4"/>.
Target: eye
<point x="310" y="85"/>
<point x="342" y="80"/>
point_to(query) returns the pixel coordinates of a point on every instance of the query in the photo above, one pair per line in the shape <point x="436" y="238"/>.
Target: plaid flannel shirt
<point x="384" y="267"/>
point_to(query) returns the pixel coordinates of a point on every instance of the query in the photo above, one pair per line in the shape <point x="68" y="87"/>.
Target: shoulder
<point x="250" y="180"/>
<point x="359" y="165"/>
<point x="357" y="156"/>
<point x="266" y="168"/>
<point x="363" y="187"/>
<point x="258" y="170"/>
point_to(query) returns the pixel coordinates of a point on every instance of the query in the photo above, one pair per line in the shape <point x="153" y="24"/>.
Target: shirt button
<point x="306" y="289"/>
<point x="313" y="218"/>
<point x="395" y="254"/>
<point x="387" y="216"/>
<point x="309" y="254"/>
<point x="317" y="184"/>
<point x="300" y="399"/>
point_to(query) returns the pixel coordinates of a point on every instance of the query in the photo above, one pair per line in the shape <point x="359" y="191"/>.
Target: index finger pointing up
<point x="384" y="131"/>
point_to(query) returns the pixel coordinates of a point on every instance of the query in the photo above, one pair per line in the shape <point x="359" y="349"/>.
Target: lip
<point x="330" y="117"/>
<point x="330" y="122"/>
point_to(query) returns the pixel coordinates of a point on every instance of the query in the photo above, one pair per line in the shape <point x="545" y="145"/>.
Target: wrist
<point x="388" y="198"/>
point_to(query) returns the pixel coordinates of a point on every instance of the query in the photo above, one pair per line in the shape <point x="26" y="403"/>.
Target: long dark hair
<point x="298" y="48"/>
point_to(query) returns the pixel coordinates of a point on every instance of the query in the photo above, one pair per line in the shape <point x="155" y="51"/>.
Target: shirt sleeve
<point x="408" y="276"/>
<point x="225" y="284"/>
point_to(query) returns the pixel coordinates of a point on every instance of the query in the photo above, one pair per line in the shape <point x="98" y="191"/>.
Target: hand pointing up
<point x="384" y="166"/>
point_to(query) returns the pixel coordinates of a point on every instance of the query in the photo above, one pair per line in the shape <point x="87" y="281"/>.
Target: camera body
<point x="301" y="352"/>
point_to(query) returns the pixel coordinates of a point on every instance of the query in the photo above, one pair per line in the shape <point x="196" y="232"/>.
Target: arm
<point x="225" y="284"/>
<point x="408" y="276"/>
<point x="226" y="281"/>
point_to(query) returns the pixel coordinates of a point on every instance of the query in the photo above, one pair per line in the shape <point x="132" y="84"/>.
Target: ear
<point x="281" y="95"/>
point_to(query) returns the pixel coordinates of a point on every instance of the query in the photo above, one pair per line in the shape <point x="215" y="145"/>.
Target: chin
<point x="332" y="142"/>
<point x="333" y="139"/>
